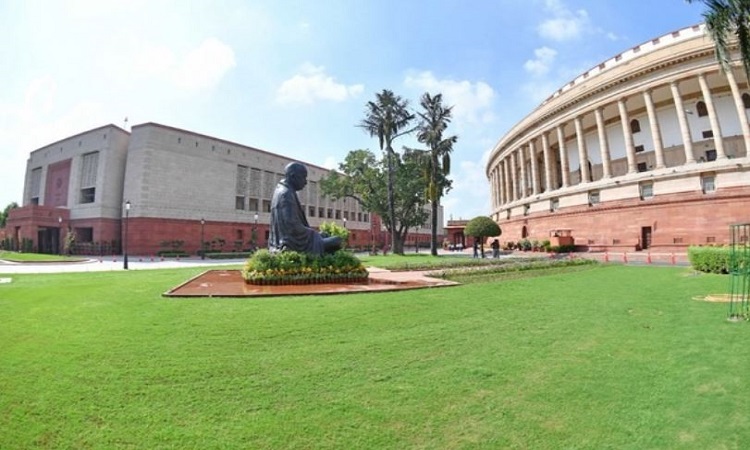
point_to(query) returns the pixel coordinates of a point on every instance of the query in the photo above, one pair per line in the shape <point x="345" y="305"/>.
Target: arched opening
<point x="524" y="232"/>
<point x="635" y="126"/>
<point x="700" y="107"/>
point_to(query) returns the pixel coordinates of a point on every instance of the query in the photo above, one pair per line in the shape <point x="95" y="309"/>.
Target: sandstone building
<point x="647" y="150"/>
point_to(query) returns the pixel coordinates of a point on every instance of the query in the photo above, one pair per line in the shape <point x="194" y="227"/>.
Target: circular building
<point x="647" y="150"/>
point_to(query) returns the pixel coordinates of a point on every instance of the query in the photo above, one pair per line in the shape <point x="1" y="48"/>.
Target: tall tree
<point x="482" y="227"/>
<point x="434" y="119"/>
<point x="388" y="118"/>
<point x="364" y="178"/>
<point x="725" y="18"/>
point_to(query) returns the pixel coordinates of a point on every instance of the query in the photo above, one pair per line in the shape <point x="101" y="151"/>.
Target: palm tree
<point x="724" y="18"/>
<point x="387" y="117"/>
<point x="434" y="119"/>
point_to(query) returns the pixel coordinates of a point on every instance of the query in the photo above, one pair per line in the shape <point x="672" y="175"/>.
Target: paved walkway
<point x="145" y="263"/>
<point x="113" y="264"/>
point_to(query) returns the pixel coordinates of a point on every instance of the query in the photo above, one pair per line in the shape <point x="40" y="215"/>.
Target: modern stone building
<point x="647" y="150"/>
<point x="181" y="187"/>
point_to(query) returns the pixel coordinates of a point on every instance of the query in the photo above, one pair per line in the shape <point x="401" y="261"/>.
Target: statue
<point x="289" y="227"/>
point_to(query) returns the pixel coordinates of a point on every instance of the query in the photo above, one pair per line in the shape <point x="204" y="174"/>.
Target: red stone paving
<point x="229" y="283"/>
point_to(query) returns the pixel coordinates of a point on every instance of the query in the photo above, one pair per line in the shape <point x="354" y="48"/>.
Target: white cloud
<point x="204" y="66"/>
<point x="564" y="24"/>
<point x="314" y="84"/>
<point x="472" y="102"/>
<point x="331" y="163"/>
<point x="545" y="56"/>
<point x="200" y="68"/>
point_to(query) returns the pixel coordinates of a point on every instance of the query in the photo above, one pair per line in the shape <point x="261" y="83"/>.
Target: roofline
<point x="181" y="130"/>
<point x="111" y="125"/>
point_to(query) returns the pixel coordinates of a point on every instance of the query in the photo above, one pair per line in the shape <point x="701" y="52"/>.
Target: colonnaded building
<point x="648" y="150"/>
<point x="158" y="187"/>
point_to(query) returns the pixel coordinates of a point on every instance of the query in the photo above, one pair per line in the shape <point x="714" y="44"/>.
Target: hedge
<point x="710" y="259"/>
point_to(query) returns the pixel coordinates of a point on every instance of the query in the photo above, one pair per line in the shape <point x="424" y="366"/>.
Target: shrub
<point x="563" y="248"/>
<point x="290" y="267"/>
<point x="709" y="259"/>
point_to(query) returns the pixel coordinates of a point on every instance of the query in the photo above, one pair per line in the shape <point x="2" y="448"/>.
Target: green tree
<point x="364" y="178"/>
<point x="436" y="161"/>
<point x="482" y="227"/>
<point x="725" y="18"/>
<point x="4" y="213"/>
<point x="388" y="118"/>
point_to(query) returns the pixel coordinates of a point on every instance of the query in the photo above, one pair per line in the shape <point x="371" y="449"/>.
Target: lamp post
<point x="255" y="231"/>
<point x="203" y="245"/>
<point x="125" y="240"/>
<point x="59" y="232"/>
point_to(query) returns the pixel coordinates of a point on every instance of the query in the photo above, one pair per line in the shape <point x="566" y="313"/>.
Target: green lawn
<point x="599" y="357"/>
<point x="35" y="257"/>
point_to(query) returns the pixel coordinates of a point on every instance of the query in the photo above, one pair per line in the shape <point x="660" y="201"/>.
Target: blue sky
<point x="292" y="77"/>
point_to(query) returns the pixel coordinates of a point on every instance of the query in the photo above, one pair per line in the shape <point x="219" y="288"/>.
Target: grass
<point x="602" y="357"/>
<point x="35" y="257"/>
<point x="419" y="261"/>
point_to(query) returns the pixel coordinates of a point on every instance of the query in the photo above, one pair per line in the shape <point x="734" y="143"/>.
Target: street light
<point x="125" y="247"/>
<point x="203" y="245"/>
<point x="59" y="232"/>
<point x="254" y="236"/>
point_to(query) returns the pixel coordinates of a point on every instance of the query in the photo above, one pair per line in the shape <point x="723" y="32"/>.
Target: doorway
<point x="645" y="238"/>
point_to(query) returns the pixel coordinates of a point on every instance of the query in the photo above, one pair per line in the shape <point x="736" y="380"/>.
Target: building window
<point x="239" y="202"/>
<point x="746" y="100"/>
<point x="88" y="195"/>
<point x="311" y="211"/>
<point x="329" y="213"/>
<point x="708" y="134"/>
<point x="639" y="148"/>
<point x="642" y="167"/>
<point x="507" y="214"/>
<point x="526" y="209"/>
<point x="239" y="235"/>
<point x="84" y="234"/>
<point x="359" y="217"/>
<point x="647" y="190"/>
<point x="338" y="214"/>
<point x="267" y="206"/>
<point x="700" y="107"/>
<point x="710" y="239"/>
<point x="615" y="241"/>
<point x="708" y="183"/>
<point x="677" y="240"/>
<point x="252" y="204"/>
<point x="593" y="198"/>
<point x="554" y="204"/>
<point x="321" y="212"/>
<point x="710" y="155"/>
<point x="366" y="217"/>
<point x="635" y="126"/>
<point x="36" y="183"/>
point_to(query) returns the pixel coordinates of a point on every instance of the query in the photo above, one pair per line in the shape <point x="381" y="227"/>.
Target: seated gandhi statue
<point x="289" y="227"/>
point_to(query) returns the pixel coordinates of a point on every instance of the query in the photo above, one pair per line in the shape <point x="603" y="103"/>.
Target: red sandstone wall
<point x="693" y="218"/>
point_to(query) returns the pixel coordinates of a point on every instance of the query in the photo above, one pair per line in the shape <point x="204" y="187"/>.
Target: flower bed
<point x="291" y="267"/>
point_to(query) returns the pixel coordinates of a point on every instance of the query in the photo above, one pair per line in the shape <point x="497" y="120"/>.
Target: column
<point x="740" y="109"/>
<point x="547" y="163"/>
<point x="603" y="144"/>
<point x="655" y="131"/>
<point x="563" y="156"/>
<point x="514" y="174"/>
<point x="508" y="180"/>
<point x="522" y="163"/>
<point x="583" y="154"/>
<point x="712" y="118"/>
<point x="687" y="140"/>
<point x="629" y="147"/>
<point x="534" y="169"/>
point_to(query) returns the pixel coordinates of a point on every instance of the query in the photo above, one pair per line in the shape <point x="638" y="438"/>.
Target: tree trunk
<point x="391" y="203"/>
<point x="433" y="228"/>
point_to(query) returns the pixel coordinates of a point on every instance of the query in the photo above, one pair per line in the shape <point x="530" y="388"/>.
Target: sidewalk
<point x="110" y="263"/>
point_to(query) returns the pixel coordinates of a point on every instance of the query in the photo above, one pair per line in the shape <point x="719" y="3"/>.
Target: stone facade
<point x="181" y="186"/>
<point x="663" y="135"/>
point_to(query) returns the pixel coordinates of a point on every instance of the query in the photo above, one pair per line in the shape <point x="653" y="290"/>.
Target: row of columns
<point x="509" y="176"/>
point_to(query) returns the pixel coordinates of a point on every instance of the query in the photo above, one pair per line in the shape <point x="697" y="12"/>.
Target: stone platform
<point x="229" y="283"/>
